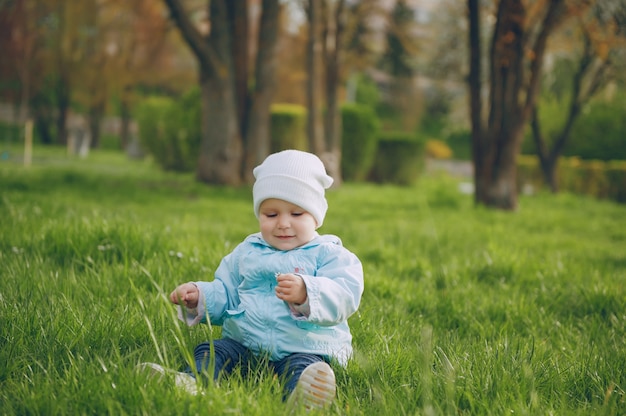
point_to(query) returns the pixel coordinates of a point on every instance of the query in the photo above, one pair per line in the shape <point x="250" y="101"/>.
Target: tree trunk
<point x="238" y="16"/>
<point x="314" y="50"/>
<point x="549" y="170"/>
<point x="62" y="83"/>
<point x="221" y="152"/>
<point x="125" y="117"/>
<point x="221" y="148"/>
<point x="475" y="89"/>
<point x="233" y="121"/>
<point x="332" y="125"/>
<point x="96" y="114"/>
<point x="546" y="163"/>
<point x="513" y="89"/>
<point x="496" y="185"/>
<point x="590" y="76"/>
<point x="42" y="126"/>
<point x="25" y="78"/>
<point x="62" y="105"/>
<point x="257" y="134"/>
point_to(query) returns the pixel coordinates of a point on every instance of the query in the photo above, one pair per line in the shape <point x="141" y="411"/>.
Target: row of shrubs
<point x="170" y="131"/>
<point x="369" y="154"/>
<point x="597" y="178"/>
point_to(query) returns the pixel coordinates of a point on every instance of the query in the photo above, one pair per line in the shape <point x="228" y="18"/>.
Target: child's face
<point x="284" y="225"/>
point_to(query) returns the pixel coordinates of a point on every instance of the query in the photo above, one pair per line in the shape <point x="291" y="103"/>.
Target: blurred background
<point x="515" y="95"/>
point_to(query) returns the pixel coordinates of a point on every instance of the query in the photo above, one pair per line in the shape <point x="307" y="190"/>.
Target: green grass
<point x="465" y="311"/>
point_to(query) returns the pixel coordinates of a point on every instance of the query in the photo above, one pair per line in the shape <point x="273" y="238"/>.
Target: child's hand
<point x="186" y="294"/>
<point x="291" y="288"/>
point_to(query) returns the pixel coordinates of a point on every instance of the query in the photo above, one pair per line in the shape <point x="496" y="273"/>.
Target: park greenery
<point x="170" y="135"/>
<point x="471" y="75"/>
<point x="466" y="310"/>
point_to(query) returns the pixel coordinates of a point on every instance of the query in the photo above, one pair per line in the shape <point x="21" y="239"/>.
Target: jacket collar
<point x="256" y="238"/>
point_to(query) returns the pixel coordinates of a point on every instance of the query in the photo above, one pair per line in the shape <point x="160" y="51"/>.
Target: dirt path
<point x="460" y="168"/>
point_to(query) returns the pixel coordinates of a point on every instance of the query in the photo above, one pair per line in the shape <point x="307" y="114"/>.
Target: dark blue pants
<point x="230" y="354"/>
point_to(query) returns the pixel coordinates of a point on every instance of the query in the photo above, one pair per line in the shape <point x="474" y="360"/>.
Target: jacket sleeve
<point x="221" y="294"/>
<point x="335" y="292"/>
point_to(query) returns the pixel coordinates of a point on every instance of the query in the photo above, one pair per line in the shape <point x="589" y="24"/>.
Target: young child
<point x="283" y="296"/>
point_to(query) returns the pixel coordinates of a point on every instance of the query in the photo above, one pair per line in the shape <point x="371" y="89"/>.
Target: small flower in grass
<point x="178" y="254"/>
<point x="105" y="247"/>
<point x="17" y="250"/>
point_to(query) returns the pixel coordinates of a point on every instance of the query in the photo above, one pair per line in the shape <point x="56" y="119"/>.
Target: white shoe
<point x="316" y="387"/>
<point x="183" y="381"/>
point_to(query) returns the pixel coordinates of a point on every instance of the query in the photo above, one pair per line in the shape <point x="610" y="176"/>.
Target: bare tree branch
<point x="196" y="41"/>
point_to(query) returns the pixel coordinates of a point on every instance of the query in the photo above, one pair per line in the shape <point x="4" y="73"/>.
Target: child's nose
<point x="283" y="221"/>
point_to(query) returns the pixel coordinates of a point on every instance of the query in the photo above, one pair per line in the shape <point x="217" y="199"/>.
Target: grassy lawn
<point x="465" y="311"/>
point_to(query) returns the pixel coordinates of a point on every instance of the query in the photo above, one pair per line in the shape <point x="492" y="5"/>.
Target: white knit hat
<point x="293" y="176"/>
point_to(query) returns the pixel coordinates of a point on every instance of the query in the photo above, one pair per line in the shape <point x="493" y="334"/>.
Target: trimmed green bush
<point x="170" y="130"/>
<point x="399" y="158"/>
<point x="288" y="127"/>
<point x="582" y="177"/>
<point x="600" y="133"/>
<point x="188" y="113"/>
<point x="616" y="180"/>
<point x="460" y="141"/>
<point x="596" y="178"/>
<point x="367" y="92"/>
<point x="359" y="137"/>
<point x="11" y="133"/>
<point x="151" y="114"/>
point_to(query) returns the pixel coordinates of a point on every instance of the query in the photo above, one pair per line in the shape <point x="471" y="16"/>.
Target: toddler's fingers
<point x="174" y="298"/>
<point x="285" y="277"/>
<point x="177" y="296"/>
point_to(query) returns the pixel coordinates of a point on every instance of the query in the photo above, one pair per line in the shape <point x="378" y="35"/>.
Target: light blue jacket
<point x="242" y="298"/>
